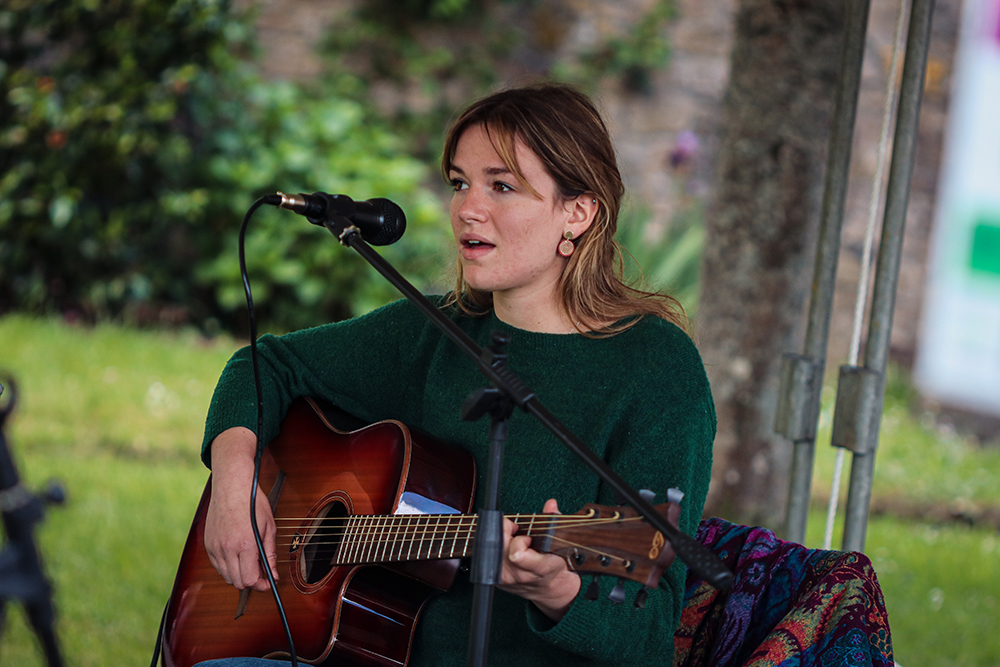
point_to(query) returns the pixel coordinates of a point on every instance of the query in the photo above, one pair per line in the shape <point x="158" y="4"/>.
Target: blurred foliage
<point x="417" y="61"/>
<point x="666" y="259"/>
<point x="631" y="57"/>
<point x="133" y="137"/>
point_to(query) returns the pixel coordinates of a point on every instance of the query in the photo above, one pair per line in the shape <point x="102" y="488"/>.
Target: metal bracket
<point x="798" y="399"/>
<point x="856" y="416"/>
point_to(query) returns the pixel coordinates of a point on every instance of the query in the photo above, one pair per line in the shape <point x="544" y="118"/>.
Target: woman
<point x="534" y="212"/>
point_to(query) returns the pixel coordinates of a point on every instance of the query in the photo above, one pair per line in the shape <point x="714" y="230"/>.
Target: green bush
<point x="133" y="137"/>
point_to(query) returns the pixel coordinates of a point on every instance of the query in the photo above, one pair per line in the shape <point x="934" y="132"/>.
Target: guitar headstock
<point x="609" y="541"/>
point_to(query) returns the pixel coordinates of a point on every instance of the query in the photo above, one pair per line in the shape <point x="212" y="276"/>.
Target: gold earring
<point x="566" y="246"/>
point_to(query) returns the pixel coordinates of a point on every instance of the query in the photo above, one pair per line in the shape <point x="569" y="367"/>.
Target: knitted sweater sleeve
<point x="663" y="439"/>
<point x="354" y="364"/>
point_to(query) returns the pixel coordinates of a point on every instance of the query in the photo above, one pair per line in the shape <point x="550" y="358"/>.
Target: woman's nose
<point x="471" y="205"/>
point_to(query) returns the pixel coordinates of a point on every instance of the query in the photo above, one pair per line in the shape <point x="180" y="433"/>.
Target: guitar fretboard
<point x="384" y="539"/>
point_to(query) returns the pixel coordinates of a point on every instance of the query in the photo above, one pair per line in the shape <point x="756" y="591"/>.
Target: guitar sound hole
<point x="322" y="543"/>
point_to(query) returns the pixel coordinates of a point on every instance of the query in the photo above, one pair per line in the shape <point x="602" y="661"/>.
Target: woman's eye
<point x="458" y="184"/>
<point x="500" y="186"/>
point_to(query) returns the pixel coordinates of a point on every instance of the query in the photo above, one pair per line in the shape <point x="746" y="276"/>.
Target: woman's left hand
<point x="545" y="579"/>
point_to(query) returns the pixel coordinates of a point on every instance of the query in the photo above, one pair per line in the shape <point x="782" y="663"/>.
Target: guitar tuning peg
<point x="675" y="496"/>
<point x="640" y="597"/>
<point x="647" y="495"/>
<point x="617" y="594"/>
<point x="594" y="589"/>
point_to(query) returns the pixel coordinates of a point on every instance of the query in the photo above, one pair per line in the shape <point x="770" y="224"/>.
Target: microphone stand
<point x="21" y="572"/>
<point x="487" y="552"/>
<point x="507" y="392"/>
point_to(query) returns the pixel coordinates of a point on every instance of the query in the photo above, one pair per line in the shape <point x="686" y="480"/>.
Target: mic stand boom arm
<point x="702" y="561"/>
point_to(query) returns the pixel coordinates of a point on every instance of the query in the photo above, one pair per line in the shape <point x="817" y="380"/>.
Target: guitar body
<point x="338" y="615"/>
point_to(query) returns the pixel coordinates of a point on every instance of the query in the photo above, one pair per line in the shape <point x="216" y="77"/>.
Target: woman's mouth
<point x="472" y="248"/>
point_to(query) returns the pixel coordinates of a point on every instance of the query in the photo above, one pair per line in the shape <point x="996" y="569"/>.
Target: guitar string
<point x="436" y="533"/>
<point x="377" y="544"/>
<point x="406" y="532"/>
<point x="398" y="518"/>
<point x="434" y="524"/>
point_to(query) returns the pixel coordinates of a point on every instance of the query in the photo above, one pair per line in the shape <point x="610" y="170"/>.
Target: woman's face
<point x="506" y="235"/>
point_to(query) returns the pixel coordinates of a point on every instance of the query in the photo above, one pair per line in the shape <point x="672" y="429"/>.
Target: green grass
<point x="940" y="579"/>
<point x="916" y="459"/>
<point x="117" y="415"/>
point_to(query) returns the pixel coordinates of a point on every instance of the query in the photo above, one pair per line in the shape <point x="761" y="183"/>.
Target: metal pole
<point x="802" y="375"/>
<point x="887" y="272"/>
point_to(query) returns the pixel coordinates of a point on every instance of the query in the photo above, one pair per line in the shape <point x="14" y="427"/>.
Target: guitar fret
<point x="463" y="529"/>
<point x="392" y="537"/>
<point x="344" y="541"/>
<point x="373" y="538"/>
<point x="364" y="544"/>
<point x="435" y="537"/>
<point x="411" y="531"/>
<point x="388" y="537"/>
<point x="411" y="534"/>
<point x="359" y="539"/>
<point x="434" y="530"/>
<point x="418" y="536"/>
<point x="376" y="539"/>
<point x="400" y="538"/>
<point x="454" y="537"/>
<point x="347" y="541"/>
<point x="473" y="527"/>
<point x="448" y="531"/>
<point x="432" y="525"/>
<point x="377" y="523"/>
<point x="444" y="535"/>
<point x="438" y="541"/>
<point x="359" y="529"/>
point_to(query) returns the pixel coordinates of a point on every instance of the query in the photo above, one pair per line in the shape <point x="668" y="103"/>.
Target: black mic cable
<point x="265" y="565"/>
<point x="380" y="222"/>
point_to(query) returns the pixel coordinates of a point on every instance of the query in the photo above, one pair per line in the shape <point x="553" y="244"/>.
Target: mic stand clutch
<point x="701" y="561"/>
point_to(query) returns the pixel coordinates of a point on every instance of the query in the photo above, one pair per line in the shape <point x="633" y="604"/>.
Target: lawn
<point x="116" y="416"/>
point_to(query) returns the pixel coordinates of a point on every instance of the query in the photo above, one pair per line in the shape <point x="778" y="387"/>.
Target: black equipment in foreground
<point x="21" y="574"/>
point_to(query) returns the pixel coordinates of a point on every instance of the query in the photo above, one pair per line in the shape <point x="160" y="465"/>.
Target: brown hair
<point x="561" y="126"/>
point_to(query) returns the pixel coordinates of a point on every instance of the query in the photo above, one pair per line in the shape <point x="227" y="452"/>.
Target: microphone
<point x="380" y="221"/>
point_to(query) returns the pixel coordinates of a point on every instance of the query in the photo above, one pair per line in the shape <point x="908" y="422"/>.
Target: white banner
<point x="958" y="353"/>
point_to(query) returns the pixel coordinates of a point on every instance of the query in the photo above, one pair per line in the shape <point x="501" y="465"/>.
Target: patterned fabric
<point x="788" y="605"/>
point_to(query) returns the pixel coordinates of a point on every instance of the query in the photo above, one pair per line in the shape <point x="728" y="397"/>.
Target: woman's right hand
<point x="229" y="537"/>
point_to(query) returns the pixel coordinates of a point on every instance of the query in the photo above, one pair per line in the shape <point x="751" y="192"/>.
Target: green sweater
<point x="639" y="399"/>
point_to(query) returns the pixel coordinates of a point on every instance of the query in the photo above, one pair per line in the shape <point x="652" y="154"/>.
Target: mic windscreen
<point x="393" y="222"/>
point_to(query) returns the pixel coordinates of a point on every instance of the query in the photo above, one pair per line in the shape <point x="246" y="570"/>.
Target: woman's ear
<point x="582" y="213"/>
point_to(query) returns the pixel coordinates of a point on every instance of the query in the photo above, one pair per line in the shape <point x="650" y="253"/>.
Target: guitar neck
<point x="411" y="537"/>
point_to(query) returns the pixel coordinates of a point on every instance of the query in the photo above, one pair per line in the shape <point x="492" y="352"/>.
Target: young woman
<point x="534" y="213"/>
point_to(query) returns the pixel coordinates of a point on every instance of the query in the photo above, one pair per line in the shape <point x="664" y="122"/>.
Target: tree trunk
<point x="760" y="238"/>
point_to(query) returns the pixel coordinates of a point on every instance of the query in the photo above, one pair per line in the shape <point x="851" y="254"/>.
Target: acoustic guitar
<point x="371" y="522"/>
